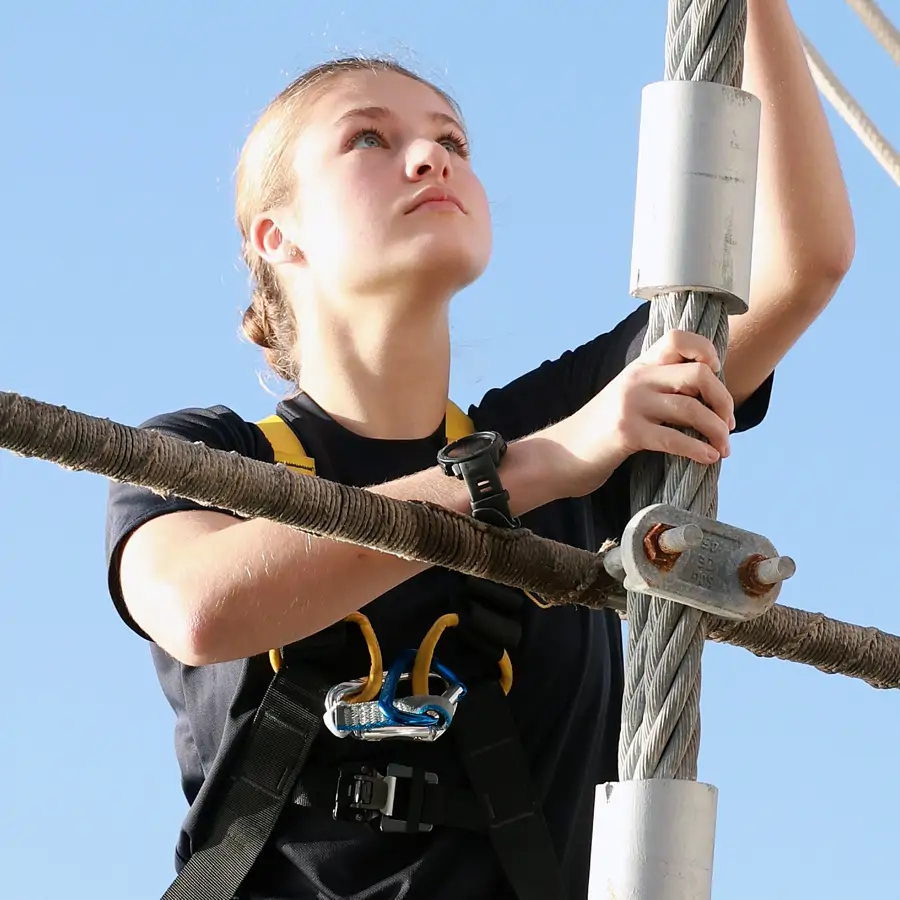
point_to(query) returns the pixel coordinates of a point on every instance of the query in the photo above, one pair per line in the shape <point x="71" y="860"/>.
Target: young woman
<point x="361" y="217"/>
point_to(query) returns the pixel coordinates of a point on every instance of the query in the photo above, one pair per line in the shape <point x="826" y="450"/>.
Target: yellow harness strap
<point x="286" y="445"/>
<point x="290" y="452"/>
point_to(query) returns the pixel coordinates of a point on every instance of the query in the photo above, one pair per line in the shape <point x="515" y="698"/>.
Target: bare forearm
<point x="803" y="238"/>
<point x="246" y="587"/>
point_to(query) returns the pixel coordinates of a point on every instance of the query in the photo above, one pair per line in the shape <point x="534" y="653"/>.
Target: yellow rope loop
<point x="372" y="687"/>
<point x="506" y="673"/>
<point x="425" y="657"/>
<point x="543" y="604"/>
<point x="425" y="654"/>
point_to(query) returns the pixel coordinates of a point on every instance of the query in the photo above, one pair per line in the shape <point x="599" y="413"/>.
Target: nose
<point x="427" y="158"/>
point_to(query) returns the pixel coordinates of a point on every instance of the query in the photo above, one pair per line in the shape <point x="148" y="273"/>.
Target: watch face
<point x="468" y="446"/>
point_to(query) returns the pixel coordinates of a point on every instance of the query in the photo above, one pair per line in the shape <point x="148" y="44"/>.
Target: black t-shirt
<point x="568" y="666"/>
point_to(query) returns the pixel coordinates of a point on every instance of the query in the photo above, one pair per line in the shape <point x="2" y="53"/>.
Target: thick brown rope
<point x="813" y="639"/>
<point x="425" y="532"/>
<point x="413" y="530"/>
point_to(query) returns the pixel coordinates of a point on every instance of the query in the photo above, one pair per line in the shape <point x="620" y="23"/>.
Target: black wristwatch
<point x="475" y="459"/>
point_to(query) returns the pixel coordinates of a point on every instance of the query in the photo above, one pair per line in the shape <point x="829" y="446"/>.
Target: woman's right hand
<point x="672" y="385"/>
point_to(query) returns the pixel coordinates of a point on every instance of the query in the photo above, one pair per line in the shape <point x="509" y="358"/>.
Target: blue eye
<point x="454" y="143"/>
<point x="367" y="139"/>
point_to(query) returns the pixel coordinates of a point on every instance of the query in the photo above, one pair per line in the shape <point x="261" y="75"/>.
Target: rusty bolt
<point x="758" y="574"/>
<point x="677" y="540"/>
<point x="663" y="544"/>
<point x="775" y="570"/>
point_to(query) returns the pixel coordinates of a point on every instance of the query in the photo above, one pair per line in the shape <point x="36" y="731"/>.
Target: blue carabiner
<point x="388" y="696"/>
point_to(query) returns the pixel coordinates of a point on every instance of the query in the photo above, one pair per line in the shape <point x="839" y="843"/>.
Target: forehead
<point x="398" y="93"/>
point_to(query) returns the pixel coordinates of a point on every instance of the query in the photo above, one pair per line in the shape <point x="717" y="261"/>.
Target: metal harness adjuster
<point x="363" y="794"/>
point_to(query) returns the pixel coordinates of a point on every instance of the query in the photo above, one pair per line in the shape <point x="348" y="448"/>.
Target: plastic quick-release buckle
<point x="363" y="794"/>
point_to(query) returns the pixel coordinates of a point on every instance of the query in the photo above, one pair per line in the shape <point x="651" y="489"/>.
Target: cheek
<point x="481" y="212"/>
<point x="336" y="217"/>
<point x="475" y="197"/>
<point x="356" y="206"/>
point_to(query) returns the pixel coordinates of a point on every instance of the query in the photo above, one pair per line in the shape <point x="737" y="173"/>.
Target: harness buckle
<point x="363" y="794"/>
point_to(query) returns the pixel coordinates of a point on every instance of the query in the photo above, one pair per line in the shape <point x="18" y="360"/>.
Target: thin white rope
<point x="882" y="28"/>
<point x="851" y="112"/>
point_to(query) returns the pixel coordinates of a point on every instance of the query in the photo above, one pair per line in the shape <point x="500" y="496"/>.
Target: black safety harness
<point x="269" y="771"/>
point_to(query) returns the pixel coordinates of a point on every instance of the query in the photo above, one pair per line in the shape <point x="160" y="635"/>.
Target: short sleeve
<point x="129" y="507"/>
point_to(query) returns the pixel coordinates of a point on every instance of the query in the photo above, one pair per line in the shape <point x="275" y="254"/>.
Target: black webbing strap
<point x="498" y="772"/>
<point x="264" y="772"/>
<point x="418" y="800"/>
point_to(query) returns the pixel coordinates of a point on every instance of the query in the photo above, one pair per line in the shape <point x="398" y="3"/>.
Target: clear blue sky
<point x="121" y="126"/>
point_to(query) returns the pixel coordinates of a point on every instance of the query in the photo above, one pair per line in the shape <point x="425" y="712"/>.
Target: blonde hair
<point x="265" y="181"/>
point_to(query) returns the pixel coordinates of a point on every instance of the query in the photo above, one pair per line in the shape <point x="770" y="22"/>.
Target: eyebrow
<point x="380" y="112"/>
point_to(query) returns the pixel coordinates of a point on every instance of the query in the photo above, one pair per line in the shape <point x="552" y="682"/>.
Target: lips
<point x="435" y="195"/>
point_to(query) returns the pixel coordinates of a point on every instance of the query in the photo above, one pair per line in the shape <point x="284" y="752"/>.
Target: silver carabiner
<point x="368" y="722"/>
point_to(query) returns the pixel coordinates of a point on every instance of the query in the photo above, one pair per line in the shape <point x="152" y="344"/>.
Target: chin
<point x="455" y="263"/>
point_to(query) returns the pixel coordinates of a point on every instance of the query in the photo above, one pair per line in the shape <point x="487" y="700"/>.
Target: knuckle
<point x="676" y="338"/>
<point x="718" y="429"/>
<point x="709" y="377"/>
<point x="696" y="373"/>
<point x="631" y="379"/>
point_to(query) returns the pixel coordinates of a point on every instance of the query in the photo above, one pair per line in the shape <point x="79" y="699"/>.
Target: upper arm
<point x="758" y="341"/>
<point x="143" y="561"/>
<point x="146" y="531"/>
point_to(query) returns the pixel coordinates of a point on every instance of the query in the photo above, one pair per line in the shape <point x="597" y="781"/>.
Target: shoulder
<point x="218" y="427"/>
<point x="129" y="507"/>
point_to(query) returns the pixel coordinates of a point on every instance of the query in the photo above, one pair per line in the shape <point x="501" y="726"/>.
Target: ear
<point x="269" y="241"/>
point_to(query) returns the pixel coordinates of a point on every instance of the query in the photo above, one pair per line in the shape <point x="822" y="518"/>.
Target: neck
<point x="378" y="376"/>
